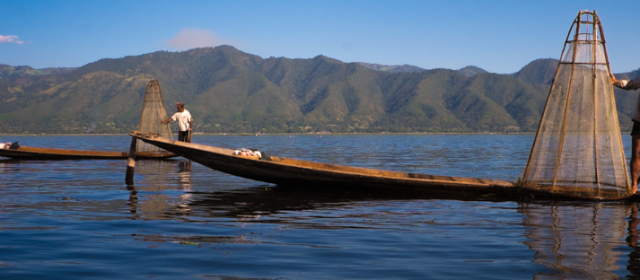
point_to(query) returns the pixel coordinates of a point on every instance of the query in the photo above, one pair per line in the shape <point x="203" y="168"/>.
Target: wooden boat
<point x="292" y="172"/>
<point x="300" y="173"/>
<point x="49" y="153"/>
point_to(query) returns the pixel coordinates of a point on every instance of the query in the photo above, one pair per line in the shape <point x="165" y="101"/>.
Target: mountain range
<point x="7" y="71"/>
<point x="230" y="91"/>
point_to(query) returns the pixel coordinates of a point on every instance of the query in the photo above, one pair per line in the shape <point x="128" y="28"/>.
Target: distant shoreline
<point x="279" y="134"/>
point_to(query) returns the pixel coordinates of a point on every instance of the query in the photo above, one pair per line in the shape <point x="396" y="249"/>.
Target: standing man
<point x="635" y="131"/>
<point x="185" y="122"/>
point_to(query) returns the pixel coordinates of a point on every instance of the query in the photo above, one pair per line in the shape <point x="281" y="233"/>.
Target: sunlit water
<point x="79" y="220"/>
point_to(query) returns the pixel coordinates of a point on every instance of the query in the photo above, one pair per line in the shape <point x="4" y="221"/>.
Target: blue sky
<point x="498" y="36"/>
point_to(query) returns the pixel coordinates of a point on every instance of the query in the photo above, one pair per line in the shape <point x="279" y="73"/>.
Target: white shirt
<point x="183" y="118"/>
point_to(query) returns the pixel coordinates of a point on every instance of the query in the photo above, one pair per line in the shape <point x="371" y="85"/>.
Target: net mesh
<point x="578" y="148"/>
<point x="153" y="113"/>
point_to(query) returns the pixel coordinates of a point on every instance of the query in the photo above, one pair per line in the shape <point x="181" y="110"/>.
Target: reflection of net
<point x="153" y="113"/>
<point x="578" y="149"/>
<point x="576" y="241"/>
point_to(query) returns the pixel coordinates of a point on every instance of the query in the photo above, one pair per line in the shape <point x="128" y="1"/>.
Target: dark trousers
<point x="182" y="136"/>
<point x="635" y="130"/>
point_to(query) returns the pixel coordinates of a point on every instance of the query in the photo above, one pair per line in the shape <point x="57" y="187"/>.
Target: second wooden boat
<point x="62" y="154"/>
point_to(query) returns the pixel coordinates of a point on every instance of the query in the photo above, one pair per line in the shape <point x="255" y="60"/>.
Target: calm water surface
<point x="181" y="220"/>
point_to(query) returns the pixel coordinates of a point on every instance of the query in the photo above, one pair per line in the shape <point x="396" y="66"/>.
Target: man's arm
<point x="172" y="118"/>
<point x="626" y="84"/>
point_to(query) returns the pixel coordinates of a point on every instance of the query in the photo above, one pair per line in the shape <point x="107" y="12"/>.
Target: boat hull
<point x="292" y="172"/>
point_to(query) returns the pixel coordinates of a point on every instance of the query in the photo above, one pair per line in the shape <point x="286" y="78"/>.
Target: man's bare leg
<point x="635" y="161"/>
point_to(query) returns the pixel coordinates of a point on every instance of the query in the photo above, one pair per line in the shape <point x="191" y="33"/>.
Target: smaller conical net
<point x="578" y="148"/>
<point x="153" y="113"/>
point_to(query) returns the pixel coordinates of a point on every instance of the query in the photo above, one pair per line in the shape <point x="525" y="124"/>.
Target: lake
<point x="181" y="220"/>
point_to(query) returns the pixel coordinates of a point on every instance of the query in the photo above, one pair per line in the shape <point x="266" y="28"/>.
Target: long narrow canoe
<point x="292" y="172"/>
<point x="61" y="154"/>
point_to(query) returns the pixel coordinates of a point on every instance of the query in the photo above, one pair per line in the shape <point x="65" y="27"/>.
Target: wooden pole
<point x="131" y="164"/>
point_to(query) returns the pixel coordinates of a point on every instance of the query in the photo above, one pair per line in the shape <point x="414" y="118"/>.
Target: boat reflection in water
<point x="572" y="240"/>
<point x="569" y="240"/>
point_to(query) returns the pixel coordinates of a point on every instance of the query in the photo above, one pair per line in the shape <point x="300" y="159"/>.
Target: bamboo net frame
<point x="578" y="147"/>
<point x="153" y="113"/>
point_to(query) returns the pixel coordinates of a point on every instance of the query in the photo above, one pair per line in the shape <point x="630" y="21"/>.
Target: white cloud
<point x="11" y="39"/>
<point x="190" y="38"/>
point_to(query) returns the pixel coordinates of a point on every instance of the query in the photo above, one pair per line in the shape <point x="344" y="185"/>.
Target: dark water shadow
<point x="269" y="199"/>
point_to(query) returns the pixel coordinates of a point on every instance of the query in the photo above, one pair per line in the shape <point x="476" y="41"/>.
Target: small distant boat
<point x="62" y="154"/>
<point x="292" y="172"/>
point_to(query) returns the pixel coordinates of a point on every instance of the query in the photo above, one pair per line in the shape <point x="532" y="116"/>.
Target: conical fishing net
<point x="578" y="148"/>
<point x="153" y="113"/>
